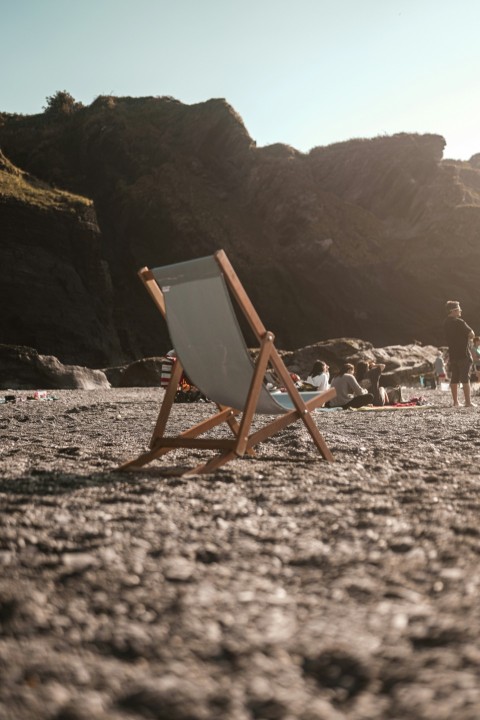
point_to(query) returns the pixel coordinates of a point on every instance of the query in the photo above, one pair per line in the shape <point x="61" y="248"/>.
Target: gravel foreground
<point x="278" y="588"/>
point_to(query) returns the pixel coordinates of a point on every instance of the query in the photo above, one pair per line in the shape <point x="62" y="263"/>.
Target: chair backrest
<point x="206" y="335"/>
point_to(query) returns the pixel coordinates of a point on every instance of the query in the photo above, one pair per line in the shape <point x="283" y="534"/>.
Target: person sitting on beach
<point x="349" y="393"/>
<point x="368" y="376"/>
<point x="319" y="377"/>
<point x="476" y="356"/>
<point x="440" y="369"/>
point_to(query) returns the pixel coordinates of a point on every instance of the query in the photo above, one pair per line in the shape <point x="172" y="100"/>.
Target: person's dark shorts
<point x="460" y="371"/>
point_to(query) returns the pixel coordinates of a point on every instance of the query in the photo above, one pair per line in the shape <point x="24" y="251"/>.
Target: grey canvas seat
<point x="195" y="299"/>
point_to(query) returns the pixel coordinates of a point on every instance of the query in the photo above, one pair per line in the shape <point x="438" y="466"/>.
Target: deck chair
<point x="194" y="299"/>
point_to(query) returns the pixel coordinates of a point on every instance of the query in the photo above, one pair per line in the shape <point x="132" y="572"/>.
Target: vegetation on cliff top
<point x="22" y="187"/>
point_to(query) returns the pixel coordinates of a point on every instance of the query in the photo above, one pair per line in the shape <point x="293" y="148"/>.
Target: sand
<point x="280" y="588"/>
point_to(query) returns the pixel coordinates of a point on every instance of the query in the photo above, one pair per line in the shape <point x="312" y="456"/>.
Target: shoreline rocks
<point x="25" y="368"/>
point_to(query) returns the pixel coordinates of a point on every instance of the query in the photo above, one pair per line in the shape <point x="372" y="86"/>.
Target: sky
<point x="301" y="72"/>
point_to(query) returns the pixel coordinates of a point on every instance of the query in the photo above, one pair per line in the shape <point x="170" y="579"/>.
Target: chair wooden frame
<point x="243" y="441"/>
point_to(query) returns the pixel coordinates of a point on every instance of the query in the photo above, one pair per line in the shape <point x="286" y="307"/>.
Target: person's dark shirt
<point x="373" y="374"/>
<point x="457" y="334"/>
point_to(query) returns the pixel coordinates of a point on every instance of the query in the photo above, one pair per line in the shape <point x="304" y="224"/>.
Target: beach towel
<point x="397" y="406"/>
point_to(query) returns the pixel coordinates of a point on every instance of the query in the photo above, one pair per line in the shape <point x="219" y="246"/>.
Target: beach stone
<point x="178" y="569"/>
<point x="340" y="671"/>
<point x="168" y="698"/>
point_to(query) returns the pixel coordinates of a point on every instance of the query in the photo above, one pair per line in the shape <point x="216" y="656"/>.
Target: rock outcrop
<point x="366" y="238"/>
<point x="404" y="364"/>
<point x="55" y="285"/>
<point x="142" y="373"/>
<point x="22" y="368"/>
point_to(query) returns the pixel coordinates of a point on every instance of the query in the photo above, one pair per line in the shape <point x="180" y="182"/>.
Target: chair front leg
<point x="253" y="393"/>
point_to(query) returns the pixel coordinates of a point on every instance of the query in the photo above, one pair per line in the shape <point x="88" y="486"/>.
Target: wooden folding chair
<point x="195" y="298"/>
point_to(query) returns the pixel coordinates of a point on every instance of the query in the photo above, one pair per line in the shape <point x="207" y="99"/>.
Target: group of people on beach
<point x="355" y="387"/>
<point x="360" y="386"/>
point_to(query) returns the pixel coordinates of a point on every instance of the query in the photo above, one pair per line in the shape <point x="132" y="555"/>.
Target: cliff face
<point x="430" y="215"/>
<point x="361" y="239"/>
<point x="55" y="289"/>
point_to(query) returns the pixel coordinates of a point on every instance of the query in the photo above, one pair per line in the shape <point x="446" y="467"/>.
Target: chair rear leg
<point x="167" y="403"/>
<point x="317" y="436"/>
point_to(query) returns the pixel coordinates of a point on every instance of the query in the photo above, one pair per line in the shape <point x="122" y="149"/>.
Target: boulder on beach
<point x="404" y="364"/>
<point x="22" y="368"/>
<point x="146" y="372"/>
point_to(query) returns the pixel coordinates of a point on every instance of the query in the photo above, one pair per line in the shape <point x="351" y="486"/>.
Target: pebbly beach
<point x="280" y="586"/>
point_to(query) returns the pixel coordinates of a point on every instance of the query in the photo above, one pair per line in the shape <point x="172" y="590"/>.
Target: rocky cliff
<point x="55" y="286"/>
<point x="366" y="238"/>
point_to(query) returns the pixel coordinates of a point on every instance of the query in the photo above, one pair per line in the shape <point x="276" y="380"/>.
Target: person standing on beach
<point x="458" y="335"/>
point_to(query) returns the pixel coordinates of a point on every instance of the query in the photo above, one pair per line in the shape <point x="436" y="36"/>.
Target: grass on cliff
<point x="17" y="186"/>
